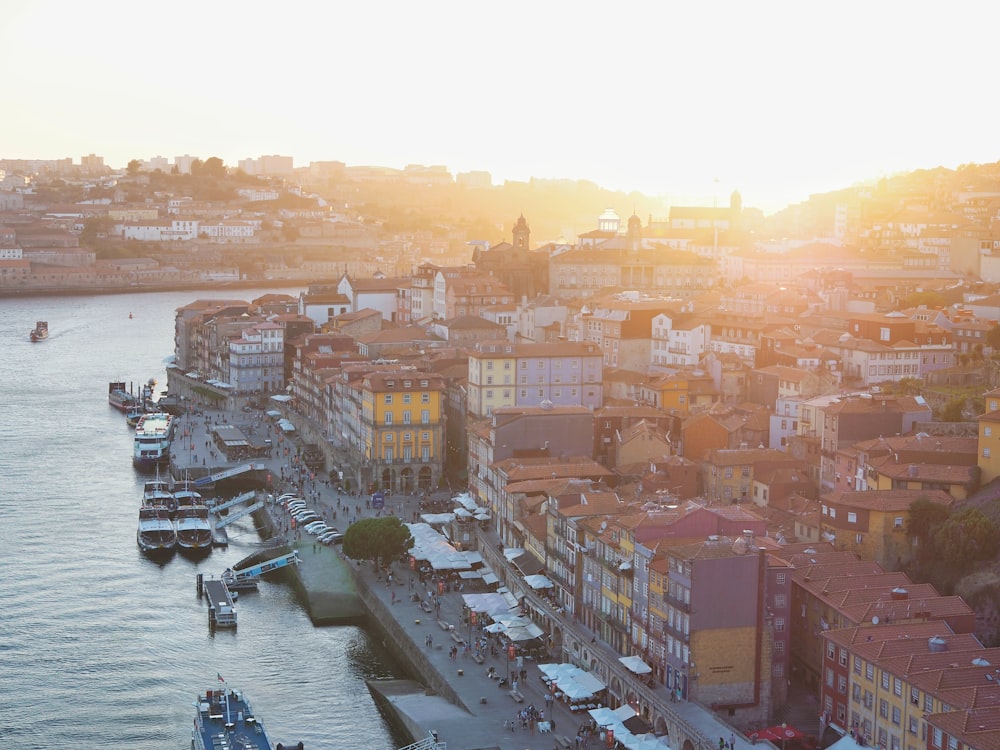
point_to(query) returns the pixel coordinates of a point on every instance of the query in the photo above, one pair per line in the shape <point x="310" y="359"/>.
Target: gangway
<point x="248" y="577"/>
<point x="430" y="742"/>
<point x="235" y="501"/>
<point x="221" y="523"/>
<point x="228" y="474"/>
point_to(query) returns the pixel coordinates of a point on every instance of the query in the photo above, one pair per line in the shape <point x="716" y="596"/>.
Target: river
<point x="100" y="647"/>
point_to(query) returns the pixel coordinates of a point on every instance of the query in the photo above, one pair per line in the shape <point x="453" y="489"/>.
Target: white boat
<point x="194" y="530"/>
<point x="151" y="445"/>
<point x="155" y="534"/>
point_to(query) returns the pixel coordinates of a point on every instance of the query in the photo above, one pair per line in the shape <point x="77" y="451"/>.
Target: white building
<point x="257" y="359"/>
<point x="677" y="341"/>
<point x="160" y="230"/>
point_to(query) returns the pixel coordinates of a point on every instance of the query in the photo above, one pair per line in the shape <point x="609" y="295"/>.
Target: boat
<point x="194" y="530"/>
<point x="120" y="398"/>
<point x="40" y="332"/>
<point x="155" y="535"/>
<point x="157" y="492"/>
<point x="151" y="445"/>
<point x="225" y="719"/>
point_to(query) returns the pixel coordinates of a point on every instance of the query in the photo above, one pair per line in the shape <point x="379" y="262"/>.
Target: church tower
<point x="634" y="233"/>
<point x="521" y="235"/>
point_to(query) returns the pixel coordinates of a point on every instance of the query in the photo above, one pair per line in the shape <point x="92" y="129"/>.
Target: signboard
<point x="378" y="499"/>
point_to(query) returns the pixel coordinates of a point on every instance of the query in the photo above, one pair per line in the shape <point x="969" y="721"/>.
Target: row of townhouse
<point x="185" y="230"/>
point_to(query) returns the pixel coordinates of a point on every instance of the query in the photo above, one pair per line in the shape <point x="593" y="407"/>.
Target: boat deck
<point x="226" y="722"/>
<point x="221" y="612"/>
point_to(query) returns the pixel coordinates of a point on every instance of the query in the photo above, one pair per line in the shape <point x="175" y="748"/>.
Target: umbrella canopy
<point x="524" y="632"/>
<point x="780" y="733"/>
<point x="538" y="582"/>
<point x="635" y="664"/>
<point x="495" y="627"/>
<point x="462" y="513"/>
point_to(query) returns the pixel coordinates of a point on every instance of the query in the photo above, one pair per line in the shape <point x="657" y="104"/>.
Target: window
<point x="388" y="454"/>
<point x="843" y="657"/>
<point x="406" y="414"/>
<point x="936" y="737"/>
<point x="885" y="680"/>
<point x="856" y="693"/>
<point x="833" y="512"/>
<point x="780" y="579"/>
<point x="425" y="417"/>
<point x="897" y="715"/>
<point x="870" y="671"/>
<point x="857" y="665"/>
<point x="425" y="398"/>
<point x="388" y="437"/>
<point x="897" y="522"/>
<point x="425" y="436"/>
<point x="986" y="452"/>
<point x="406" y="398"/>
<point x="780" y="601"/>
<point x="883" y="708"/>
<point x="928" y="704"/>
<point x="897" y="686"/>
<point x="852" y="517"/>
<point x="388" y="417"/>
<point x="388" y="398"/>
<point x="779" y="624"/>
<point x="779" y="648"/>
<point x="831" y="650"/>
<point x="842" y="684"/>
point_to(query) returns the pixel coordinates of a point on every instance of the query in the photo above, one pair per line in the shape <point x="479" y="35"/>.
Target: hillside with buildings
<point x="766" y="467"/>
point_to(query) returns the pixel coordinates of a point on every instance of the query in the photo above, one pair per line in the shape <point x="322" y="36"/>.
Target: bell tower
<point x="521" y="234"/>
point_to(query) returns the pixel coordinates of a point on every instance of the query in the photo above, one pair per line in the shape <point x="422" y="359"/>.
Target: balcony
<point x="679" y="603"/>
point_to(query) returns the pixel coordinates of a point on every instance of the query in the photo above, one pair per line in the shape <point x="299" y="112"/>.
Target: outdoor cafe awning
<point x="538" y="581"/>
<point x="635" y="664"/>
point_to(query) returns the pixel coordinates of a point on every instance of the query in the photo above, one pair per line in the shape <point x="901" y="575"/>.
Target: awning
<point x="635" y="664"/>
<point x="538" y="582"/>
<point x="528" y="564"/>
<point x="281" y="397"/>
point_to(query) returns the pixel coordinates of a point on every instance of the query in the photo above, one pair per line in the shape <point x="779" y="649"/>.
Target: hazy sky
<point x="778" y="100"/>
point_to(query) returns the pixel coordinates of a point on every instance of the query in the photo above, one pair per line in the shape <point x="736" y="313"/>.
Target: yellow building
<point x="491" y="378"/>
<point x="989" y="445"/>
<point x="402" y="430"/>
<point x="683" y="393"/>
<point x="882" y="682"/>
<point x="873" y="523"/>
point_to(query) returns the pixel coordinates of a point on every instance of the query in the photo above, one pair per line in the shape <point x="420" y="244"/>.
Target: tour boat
<point x="40" y="332"/>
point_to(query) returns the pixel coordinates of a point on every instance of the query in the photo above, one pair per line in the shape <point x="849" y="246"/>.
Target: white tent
<point x="538" y="582"/>
<point x="492" y="604"/>
<point x="635" y="664"/>
<point x="524" y="632"/>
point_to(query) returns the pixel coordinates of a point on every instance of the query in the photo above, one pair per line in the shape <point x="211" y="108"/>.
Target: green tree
<point x="965" y="538"/>
<point x="133" y="167"/>
<point x="377" y="539"/>
<point x="213" y="167"/>
<point x="993" y="338"/>
<point x="952" y="411"/>
<point x="925" y="518"/>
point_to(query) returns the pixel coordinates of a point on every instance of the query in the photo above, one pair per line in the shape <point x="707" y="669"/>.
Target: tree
<point x="966" y="538"/>
<point x="925" y="518"/>
<point x="133" y="167"/>
<point x="377" y="539"/>
<point x="993" y="338"/>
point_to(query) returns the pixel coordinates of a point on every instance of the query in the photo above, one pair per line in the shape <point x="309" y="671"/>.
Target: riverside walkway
<point x="470" y="711"/>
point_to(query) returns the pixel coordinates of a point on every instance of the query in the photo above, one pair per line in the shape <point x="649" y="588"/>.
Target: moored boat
<point x="155" y="534"/>
<point x="120" y="398"/>
<point x="40" y="332"/>
<point x="151" y="445"/>
<point x="225" y="718"/>
<point x="194" y="530"/>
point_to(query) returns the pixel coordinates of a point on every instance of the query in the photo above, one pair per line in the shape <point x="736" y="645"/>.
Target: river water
<point x="100" y="647"/>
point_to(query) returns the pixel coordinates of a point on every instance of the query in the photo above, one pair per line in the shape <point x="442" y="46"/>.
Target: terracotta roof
<point x="886" y="501"/>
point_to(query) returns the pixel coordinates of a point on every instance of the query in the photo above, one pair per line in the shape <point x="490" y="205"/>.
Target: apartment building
<point x="502" y="374"/>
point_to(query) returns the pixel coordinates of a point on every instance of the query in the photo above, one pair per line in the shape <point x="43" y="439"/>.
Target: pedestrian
<point x="722" y="743"/>
<point x="732" y="741"/>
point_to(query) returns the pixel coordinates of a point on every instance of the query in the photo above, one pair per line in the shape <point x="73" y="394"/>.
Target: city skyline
<point x="779" y="101"/>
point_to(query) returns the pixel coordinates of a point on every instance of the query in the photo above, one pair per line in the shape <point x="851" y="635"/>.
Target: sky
<point x="686" y="100"/>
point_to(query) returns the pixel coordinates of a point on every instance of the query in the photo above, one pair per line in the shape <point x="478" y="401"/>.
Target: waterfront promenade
<point x="457" y="711"/>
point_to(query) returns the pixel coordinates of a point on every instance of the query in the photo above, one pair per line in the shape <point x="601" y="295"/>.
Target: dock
<point x="221" y="610"/>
